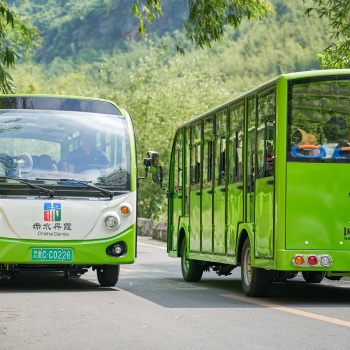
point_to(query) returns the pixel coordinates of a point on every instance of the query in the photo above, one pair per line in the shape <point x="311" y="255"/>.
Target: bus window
<point x="220" y="161"/>
<point x="319" y="121"/>
<point x="251" y="171"/>
<point x="178" y="163"/>
<point x="265" y="134"/>
<point x="196" y="134"/>
<point x="236" y="143"/>
<point x="208" y="153"/>
<point x="265" y="151"/>
<point x="188" y="167"/>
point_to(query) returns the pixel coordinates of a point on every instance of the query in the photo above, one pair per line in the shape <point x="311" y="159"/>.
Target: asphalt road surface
<point x="151" y="307"/>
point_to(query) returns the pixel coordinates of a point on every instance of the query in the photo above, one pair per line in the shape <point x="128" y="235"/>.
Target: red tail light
<point x="312" y="260"/>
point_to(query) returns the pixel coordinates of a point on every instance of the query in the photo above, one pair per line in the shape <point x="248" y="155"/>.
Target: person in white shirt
<point x="336" y="132"/>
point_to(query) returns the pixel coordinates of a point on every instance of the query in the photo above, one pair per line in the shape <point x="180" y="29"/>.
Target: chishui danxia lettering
<point x="52" y="211"/>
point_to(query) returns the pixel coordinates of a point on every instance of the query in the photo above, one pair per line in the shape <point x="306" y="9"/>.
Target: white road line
<point x="289" y="310"/>
<point x="151" y="245"/>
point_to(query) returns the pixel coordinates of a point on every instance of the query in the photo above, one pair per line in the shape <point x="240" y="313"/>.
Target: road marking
<point x="289" y="310"/>
<point x="151" y="245"/>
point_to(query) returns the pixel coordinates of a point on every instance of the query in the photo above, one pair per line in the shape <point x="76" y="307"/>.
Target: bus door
<point x="207" y="189"/>
<point x="220" y="208"/>
<point x="176" y="191"/>
<point x="195" y="190"/>
<point x="264" y="178"/>
<point x="235" y="175"/>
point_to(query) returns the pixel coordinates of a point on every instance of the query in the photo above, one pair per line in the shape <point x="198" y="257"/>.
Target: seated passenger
<point x="87" y="156"/>
<point x="45" y="162"/>
<point x="336" y="133"/>
<point x="62" y="166"/>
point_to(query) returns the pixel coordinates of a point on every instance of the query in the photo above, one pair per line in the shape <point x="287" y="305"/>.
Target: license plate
<point x="52" y="254"/>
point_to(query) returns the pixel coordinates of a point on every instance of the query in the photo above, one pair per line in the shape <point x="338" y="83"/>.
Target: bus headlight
<point x="111" y="221"/>
<point x="117" y="250"/>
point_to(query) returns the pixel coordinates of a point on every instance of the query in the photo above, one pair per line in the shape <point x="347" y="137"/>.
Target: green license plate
<point x="52" y="254"/>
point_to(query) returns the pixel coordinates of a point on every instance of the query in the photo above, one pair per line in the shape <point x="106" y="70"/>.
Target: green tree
<point x="337" y="54"/>
<point x="161" y="95"/>
<point x="206" y="18"/>
<point x="18" y="38"/>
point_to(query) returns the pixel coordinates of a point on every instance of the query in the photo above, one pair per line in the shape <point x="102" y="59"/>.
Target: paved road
<point x="153" y="308"/>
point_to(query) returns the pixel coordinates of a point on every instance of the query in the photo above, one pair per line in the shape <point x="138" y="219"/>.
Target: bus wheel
<point x="312" y="277"/>
<point x="108" y="275"/>
<point x="255" y="281"/>
<point x="191" y="270"/>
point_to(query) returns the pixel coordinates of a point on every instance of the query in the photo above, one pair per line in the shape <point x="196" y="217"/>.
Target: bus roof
<point x="59" y="103"/>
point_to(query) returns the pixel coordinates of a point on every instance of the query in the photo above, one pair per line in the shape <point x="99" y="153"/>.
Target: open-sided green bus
<point x="262" y="182"/>
<point x="68" y="183"/>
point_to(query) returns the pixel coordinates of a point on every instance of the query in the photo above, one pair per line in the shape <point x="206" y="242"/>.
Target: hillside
<point x="73" y="28"/>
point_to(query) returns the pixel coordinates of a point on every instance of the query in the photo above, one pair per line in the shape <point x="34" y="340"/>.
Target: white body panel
<point x="81" y="219"/>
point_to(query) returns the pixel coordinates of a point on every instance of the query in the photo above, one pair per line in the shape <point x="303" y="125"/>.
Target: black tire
<point x="255" y="281"/>
<point x="191" y="270"/>
<point x="108" y="275"/>
<point x="312" y="277"/>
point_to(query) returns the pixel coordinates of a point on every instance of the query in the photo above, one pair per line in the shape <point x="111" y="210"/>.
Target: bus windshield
<point x="62" y="148"/>
<point x="319" y="119"/>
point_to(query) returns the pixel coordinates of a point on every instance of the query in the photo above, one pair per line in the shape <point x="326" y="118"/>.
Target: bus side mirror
<point x="151" y="162"/>
<point x="151" y="166"/>
<point x="157" y="178"/>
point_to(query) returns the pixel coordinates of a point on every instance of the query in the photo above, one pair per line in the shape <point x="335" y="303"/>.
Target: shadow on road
<point x="209" y="293"/>
<point x="30" y="282"/>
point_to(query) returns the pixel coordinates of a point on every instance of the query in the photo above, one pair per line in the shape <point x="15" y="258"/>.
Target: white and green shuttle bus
<point x="68" y="183"/>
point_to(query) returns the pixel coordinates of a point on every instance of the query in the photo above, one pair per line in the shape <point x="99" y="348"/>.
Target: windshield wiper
<point x="85" y="183"/>
<point x="50" y="193"/>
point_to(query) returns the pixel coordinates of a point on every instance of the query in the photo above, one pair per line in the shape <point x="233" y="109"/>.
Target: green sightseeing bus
<point x="68" y="183"/>
<point x="262" y="182"/>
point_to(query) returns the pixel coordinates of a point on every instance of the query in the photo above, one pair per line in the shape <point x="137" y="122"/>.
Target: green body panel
<point x="234" y="214"/>
<point x="133" y="157"/>
<point x="220" y="227"/>
<point x="317" y="206"/>
<point x="207" y="214"/>
<point x="264" y="200"/>
<point x="14" y="251"/>
<point x="176" y="215"/>
<point x="195" y="221"/>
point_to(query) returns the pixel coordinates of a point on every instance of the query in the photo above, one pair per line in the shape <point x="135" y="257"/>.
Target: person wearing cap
<point x="336" y="132"/>
<point x="87" y="156"/>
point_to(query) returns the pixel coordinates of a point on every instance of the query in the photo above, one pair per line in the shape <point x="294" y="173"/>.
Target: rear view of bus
<point x="67" y="186"/>
<point x="262" y="182"/>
